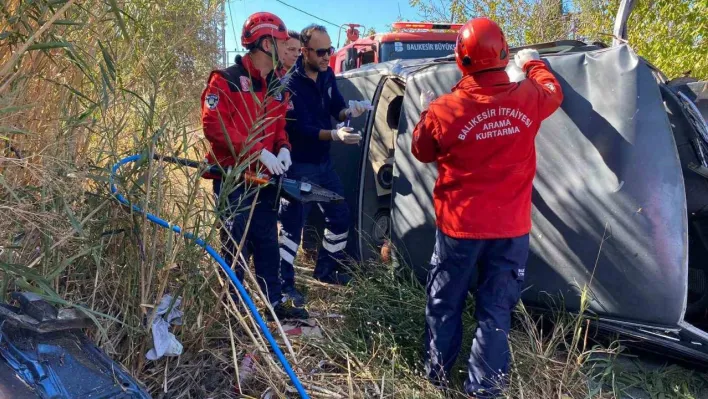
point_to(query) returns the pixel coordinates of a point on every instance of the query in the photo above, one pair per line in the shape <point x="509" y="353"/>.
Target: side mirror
<point x="352" y="55"/>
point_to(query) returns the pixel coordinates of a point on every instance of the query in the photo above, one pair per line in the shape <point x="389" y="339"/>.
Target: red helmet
<point x="481" y="46"/>
<point x="262" y="24"/>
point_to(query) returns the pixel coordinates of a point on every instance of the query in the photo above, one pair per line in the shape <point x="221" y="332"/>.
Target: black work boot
<point x="291" y="293"/>
<point x="335" y="277"/>
<point x="285" y="311"/>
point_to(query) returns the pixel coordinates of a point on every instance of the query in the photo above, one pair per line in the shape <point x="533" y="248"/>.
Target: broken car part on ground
<point x="47" y="355"/>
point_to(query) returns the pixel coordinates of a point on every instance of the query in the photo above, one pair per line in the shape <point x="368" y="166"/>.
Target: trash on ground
<point x="319" y="315"/>
<point x="166" y="344"/>
<point x="247" y="368"/>
<point x="303" y="328"/>
<point x="268" y="394"/>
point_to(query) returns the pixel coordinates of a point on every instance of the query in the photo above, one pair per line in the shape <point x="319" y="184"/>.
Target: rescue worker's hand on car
<point x="271" y="162"/>
<point x="284" y="158"/>
<point x="344" y="135"/>
<point x="426" y="97"/>
<point x="526" y="55"/>
<point x="357" y="108"/>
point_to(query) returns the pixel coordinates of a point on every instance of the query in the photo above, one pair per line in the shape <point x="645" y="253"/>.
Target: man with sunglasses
<point x="243" y="117"/>
<point x="315" y="100"/>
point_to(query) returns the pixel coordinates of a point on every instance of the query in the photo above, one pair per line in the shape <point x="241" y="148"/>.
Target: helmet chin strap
<point x="270" y="54"/>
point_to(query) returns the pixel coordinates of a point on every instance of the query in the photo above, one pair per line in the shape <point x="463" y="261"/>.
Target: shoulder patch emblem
<point x="211" y="101"/>
<point x="245" y="83"/>
<point x="551" y="87"/>
<point x="290" y="105"/>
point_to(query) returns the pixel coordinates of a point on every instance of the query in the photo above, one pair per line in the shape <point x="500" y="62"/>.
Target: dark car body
<point x="619" y="202"/>
<point x="45" y="354"/>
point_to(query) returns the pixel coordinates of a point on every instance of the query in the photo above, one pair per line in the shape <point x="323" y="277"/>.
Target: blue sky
<point x="370" y="13"/>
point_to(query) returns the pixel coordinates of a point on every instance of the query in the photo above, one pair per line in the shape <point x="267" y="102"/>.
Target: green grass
<point x="381" y="336"/>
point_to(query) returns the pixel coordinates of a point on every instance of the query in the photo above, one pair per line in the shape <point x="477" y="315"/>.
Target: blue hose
<point x="220" y="261"/>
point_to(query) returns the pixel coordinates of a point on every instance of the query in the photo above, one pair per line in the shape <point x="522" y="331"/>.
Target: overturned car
<point x="620" y="199"/>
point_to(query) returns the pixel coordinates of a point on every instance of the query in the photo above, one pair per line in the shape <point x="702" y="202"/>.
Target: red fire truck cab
<point x="409" y="40"/>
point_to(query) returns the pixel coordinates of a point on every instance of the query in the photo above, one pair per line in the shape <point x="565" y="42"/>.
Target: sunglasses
<point x="321" y="52"/>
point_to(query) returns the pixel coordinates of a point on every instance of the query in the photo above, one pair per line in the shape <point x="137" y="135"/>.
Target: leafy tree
<point x="671" y="34"/>
<point x="550" y="22"/>
<point x="512" y="15"/>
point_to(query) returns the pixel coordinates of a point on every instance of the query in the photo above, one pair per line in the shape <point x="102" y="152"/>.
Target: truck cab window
<point x="368" y="57"/>
<point x="410" y="50"/>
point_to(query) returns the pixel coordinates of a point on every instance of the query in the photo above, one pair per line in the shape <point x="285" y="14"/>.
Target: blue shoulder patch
<point x="211" y="100"/>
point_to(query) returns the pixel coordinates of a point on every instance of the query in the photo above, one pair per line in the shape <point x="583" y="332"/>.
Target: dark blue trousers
<point x="294" y="214"/>
<point x="261" y="238"/>
<point x="501" y="265"/>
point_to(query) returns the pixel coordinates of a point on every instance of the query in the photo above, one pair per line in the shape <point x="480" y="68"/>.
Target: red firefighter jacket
<point x="243" y="113"/>
<point x="482" y="137"/>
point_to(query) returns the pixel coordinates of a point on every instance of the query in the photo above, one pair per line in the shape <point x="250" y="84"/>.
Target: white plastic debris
<point x="247" y="369"/>
<point x="165" y="343"/>
<point x="268" y="394"/>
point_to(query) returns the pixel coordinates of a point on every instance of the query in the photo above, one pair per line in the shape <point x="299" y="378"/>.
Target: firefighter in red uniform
<point x="243" y="115"/>
<point x="482" y="137"/>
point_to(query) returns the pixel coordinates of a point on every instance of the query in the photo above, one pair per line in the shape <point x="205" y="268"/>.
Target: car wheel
<point x="385" y="176"/>
<point x="381" y="228"/>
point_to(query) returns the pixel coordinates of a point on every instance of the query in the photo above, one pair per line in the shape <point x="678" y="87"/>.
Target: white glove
<point x="526" y="55"/>
<point x="357" y="108"/>
<point x="271" y="162"/>
<point x="344" y="135"/>
<point x="426" y="97"/>
<point x="284" y="158"/>
<point x="515" y="73"/>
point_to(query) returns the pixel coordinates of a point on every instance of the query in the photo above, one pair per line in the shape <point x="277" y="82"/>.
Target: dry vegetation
<point x="83" y="84"/>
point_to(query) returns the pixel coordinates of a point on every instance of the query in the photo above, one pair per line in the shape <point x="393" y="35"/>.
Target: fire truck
<point x="408" y="40"/>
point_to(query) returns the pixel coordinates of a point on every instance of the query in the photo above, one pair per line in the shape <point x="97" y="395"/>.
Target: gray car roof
<point x="401" y="68"/>
<point x="406" y="67"/>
